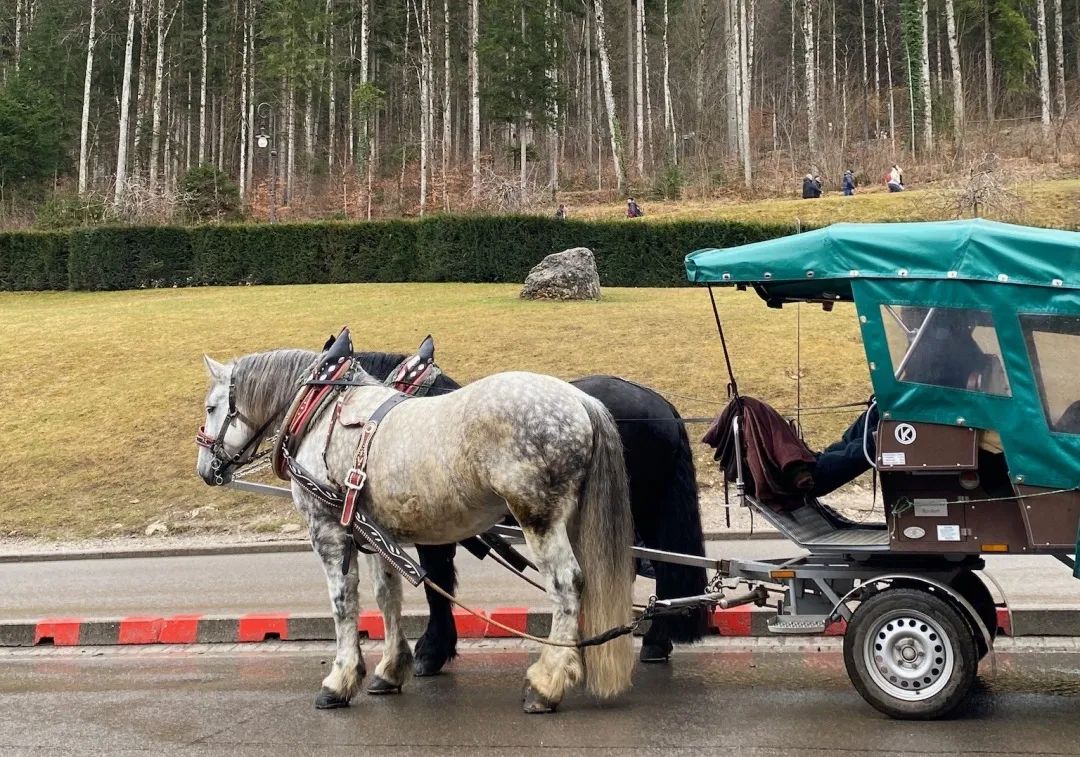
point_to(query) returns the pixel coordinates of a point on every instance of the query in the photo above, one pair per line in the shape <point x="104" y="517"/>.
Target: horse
<point x="663" y="500"/>
<point x="440" y="469"/>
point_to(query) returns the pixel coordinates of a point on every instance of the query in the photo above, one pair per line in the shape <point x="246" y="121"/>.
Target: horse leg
<point x="331" y="542"/>
<point x="558" y="667"/>
<point x="397" y="658"/>
<point x="438" y="645"/>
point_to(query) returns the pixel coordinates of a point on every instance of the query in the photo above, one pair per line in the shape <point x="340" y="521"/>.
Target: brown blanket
<point x="777" y="465"/>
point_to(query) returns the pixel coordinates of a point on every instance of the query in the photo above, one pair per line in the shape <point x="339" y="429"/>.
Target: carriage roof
<point x="822" y="264"/>
<point x="1013" y="290"/>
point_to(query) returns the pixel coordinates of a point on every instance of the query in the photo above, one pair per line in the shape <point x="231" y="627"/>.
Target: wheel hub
<point x="909" y="655"/>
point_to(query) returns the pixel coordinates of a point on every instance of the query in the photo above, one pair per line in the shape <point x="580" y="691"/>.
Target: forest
<point x="289" y="109"/>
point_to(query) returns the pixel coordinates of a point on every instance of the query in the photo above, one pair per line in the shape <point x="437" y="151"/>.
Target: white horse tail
<point x="602" y="541"/>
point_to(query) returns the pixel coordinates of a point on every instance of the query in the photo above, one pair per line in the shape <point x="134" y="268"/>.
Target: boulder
<point x="567" y="275"/>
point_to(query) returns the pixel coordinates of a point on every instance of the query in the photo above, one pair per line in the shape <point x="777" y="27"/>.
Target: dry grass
<point x="103" y="392"/>
<point x="1046" y="203"/>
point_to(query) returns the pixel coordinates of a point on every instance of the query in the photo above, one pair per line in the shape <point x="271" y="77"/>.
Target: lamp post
<point x="266" y="140"/>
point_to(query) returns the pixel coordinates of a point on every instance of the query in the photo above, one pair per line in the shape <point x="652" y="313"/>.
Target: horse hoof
<point x="536" y="703"/>
<point x="380" y="686"/>
<point x="328" y="699"/>
<point x="423" y="668"/>
<point x="655" y="652"/>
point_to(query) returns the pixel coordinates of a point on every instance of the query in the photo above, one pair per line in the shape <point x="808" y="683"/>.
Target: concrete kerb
<point x="261" y="627"/>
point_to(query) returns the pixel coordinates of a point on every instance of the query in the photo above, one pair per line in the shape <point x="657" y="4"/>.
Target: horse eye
<point x="210" y="409"/>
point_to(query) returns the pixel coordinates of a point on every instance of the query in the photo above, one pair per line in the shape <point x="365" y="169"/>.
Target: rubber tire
<point x="974" y="590"/>
<point x="964" y="649"/>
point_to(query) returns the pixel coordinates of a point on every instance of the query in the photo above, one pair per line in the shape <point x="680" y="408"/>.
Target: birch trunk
<point x="877" y="69"/>
<point x="159" y="75"/>
<point x="745" y="79"/>
<point x="446" y="120"/>
<point x="888" y="71"/>
<point x="669" y="112"/>
<point x="988" y="59"/>
<point x="649" y="141"/>
<point x="1059" y="60"/>
<point x="243" y="106"/>
<point x="927" y="95"/>
<point x="140" y="93"/>
<point x="422" y="14"/>
<point x="474" y="92"/>
<point x="125" y="111"/>
<point x="290" y="161"/>
<point x="639" y="88"/>
<point x="631" y="15"/>
<point x="1044" y="64"/>
<point x="732" y="105"/>
<point x="202" y="91"/>
<point x="609" y="97"/>
<point x="957" y="75"/>
<point x="865" y="73"/>
<point x="811" y="77"/>
<point x="84" y="129"/>
<point x="331" y="116"/>
<point x="699" y="68"/>
<point x="18" y="32"/>
<point x="590" y="123"/>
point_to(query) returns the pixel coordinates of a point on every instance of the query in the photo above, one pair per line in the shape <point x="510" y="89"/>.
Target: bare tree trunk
<point x="609" y="97"/>
<point x="639" y="87"/>
<point x="732" y="104"/>
<point x="699" y="68"/>
<point x="745" y="78"/>
<point x="446" y="122"/>
<point x="243" y="105"/>
<point x="888" y="71"/>
<point x="125" y="110"/>
<point x="550" y="40"/>
<point x="865" y="72"/>
<point x="290" y="126"/>
<point x="649" y="142"/>
<point x="924" y="59"/>
<point x="1044" y="64"/>
<point x="422" y="13"/>
<point x="248" y="165"/>
<point x="187" y="127"/>
<point x="140" y="93"/>
<point x="988" y="58"/>
<point x="957" y="75"/>
<point x="1059" y="60"/>
<point x="331" y="126"/>
<point x="669" y="112"/>
<point x="202" y="91"/>
<point x="590" y="123"/>
<point x="91" y="43"/>
<point x="811" y="77"/>
<point x="877" y="68"/>
<point x="159" y="71"/>
<point x="474" y="92"/>
<point x="832" y="41"/>
<point x="631" y="119"/>
<point x="221" y="133"/>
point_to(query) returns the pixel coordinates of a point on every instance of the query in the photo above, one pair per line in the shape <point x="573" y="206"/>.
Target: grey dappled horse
<point x="441" y="469"/>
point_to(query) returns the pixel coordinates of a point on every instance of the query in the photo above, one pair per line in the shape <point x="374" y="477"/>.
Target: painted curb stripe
<point x="258" y="627"/>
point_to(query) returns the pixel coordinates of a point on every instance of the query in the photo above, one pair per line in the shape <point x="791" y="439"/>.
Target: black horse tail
<point x="680" y="531"/>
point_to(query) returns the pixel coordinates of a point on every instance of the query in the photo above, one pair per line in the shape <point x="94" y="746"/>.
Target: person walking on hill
<point x="848" y="183"/>
<point x="633" y="210"/>
<point x="895" y="179"/>
<point x="560" y="212"/>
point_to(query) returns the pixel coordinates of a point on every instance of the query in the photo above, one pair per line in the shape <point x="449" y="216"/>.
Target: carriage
<point x="971" y="331"/>
<point x="972" y="337"/>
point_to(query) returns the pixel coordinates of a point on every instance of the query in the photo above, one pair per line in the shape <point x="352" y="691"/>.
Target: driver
<point x="847" y="459"/>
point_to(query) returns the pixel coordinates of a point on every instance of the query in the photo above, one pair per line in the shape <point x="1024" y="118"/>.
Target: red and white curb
<point x="258" y="627"/>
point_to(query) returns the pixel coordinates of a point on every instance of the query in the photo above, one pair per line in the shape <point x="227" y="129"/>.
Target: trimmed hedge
<point x="440" y="248"/>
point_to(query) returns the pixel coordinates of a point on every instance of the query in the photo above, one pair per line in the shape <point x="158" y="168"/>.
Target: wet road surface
<point x="742" y="698"/>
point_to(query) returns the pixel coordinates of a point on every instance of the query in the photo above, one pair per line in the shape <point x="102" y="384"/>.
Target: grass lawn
<point x="1046" y="203"/>
<point x="103" y="392"/>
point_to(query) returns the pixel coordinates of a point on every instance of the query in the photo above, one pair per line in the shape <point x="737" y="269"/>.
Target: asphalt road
<point x="293" y="582"/>
<point x="740" y="700"/>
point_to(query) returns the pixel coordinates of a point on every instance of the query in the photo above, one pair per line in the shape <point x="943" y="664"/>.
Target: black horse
<point x="663" y="497"/>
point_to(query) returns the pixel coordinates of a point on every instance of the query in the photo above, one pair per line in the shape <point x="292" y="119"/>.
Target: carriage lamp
<point x="262" y="140"/>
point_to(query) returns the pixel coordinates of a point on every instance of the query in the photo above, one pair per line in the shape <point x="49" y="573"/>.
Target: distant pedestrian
<point x="633" y="210"/>
<point x="848" y="183"/>
<point x="811" y="187"/>
<point x="894" y="179"/>
<point x="560" y="213"/>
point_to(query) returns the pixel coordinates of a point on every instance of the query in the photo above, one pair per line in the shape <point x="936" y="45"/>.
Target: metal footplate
<point x="798" y="624"/>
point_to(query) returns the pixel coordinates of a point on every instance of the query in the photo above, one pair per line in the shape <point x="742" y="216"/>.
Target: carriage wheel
<point x="910" y="654"/>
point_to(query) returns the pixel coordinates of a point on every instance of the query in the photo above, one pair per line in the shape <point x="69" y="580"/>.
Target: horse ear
<point x="216" y="370"/>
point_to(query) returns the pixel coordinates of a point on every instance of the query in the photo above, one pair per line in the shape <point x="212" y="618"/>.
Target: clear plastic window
<point x="1053" y="343"/>
<point x="956" y="348"/>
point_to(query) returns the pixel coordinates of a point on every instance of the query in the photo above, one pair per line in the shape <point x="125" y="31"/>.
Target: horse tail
<point x="679" y="530"/>
<point x="603" y="536"/>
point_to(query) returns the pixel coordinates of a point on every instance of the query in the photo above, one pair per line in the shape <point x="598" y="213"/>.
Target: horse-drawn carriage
<point x="972" y="336"/>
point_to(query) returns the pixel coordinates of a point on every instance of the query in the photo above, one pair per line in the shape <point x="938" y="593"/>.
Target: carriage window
<point x="1053" y="343"/>
<point x="956" y="348"/>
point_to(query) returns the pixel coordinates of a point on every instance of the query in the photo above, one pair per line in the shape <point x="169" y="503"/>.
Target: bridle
<point x="223" y="463"/>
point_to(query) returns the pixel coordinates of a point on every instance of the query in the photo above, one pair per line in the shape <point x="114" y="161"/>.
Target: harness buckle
<point x="355" y="479"/>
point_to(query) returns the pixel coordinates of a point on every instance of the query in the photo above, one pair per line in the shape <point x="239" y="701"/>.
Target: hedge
<point x="440" y="248"/>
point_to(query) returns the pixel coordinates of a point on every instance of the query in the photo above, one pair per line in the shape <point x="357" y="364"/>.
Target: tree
<point x="609" y="97"/>
<point x="957" y="76"/>
<point x="91" y="42"/>
<point x="125" y="111"/>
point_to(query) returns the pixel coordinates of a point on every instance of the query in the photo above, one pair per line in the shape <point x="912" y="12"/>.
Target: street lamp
<point x="266" y="140"/>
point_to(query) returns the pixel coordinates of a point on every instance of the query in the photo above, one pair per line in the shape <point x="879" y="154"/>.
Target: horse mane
<point x="266" y="381"/>
<point x="379" y="364"/>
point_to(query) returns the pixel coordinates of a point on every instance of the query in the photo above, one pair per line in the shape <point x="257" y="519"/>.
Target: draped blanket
<point x="777" y="465"/>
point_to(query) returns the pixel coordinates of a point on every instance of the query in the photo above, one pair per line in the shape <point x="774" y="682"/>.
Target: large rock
<point x="567" y="275"/>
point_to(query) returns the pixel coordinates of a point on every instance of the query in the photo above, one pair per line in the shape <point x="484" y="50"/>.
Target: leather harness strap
<point x="357" y="475"/>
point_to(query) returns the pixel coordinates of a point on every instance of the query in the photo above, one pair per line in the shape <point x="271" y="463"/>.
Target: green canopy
<point x="821" y="264"/>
